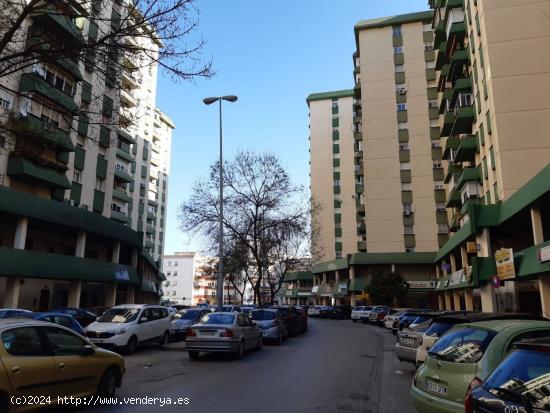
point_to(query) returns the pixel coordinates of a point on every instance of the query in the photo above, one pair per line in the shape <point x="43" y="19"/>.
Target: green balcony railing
<point x="122" y="175"/>
<point x="120" y="216"/>
<point x="121" y="195"/>
<point x="127" y="156"/>
<point x="464" y="119"/>
<point x="57" y="23"/>
<point x="35" y="129"/>
<point x="26" y="171"/>
<point x="467" y="148"/>
<point x="32" y="82"/>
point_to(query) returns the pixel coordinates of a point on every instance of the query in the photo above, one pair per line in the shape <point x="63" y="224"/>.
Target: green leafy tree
<point x="385" y="289"/>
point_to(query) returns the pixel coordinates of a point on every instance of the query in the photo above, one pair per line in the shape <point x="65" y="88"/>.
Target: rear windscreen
<point x="466" y="345"/>
<point x="437" y="329"/>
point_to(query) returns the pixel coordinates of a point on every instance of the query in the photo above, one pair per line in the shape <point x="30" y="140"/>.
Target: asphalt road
<point x="337" y="366"/>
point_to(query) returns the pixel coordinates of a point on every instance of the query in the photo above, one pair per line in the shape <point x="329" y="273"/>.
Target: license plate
<point x="208" y="333"/>
<point x="436" y="387"/>
<point x="407" y="340"/>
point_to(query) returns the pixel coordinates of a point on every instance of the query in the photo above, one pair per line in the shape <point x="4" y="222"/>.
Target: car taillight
<point x="226" y="333"/>
<point x="274" y="323"/>
<point x="191" y="333"/>
<point x="468" y="399"/>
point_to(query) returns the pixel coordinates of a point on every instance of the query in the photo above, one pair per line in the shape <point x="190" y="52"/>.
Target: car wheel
<point x="164" y="339"/>
<point x="107" y="384"/>
<point x="355" y="321"/>
<point x="260" y="343"/>
<point x="240" y="350"/>
<point x="193" y="355"/>
<point x="132" y="345"/>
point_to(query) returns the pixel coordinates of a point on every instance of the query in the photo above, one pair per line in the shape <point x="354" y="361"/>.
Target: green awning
<point x="359" y="285"/>
<point x="468" y="175"/>
<point x="454" y="199"/>
<point x="450" y="145"/>
<point x="467" y="149"/>
<point x="43" y="265"/>
<point x="299" y="275"/>
<point x="453" y="170"/>
<point x="26" y="171"/>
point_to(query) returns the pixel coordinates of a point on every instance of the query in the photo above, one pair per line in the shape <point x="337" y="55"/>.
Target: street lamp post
<point x="219" y="284"/>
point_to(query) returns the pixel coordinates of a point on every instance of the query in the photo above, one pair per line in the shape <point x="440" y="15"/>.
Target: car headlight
<point x="120" y="331"/>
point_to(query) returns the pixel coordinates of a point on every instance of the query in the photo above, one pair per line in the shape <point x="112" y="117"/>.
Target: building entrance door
<point x="44" y="300"/>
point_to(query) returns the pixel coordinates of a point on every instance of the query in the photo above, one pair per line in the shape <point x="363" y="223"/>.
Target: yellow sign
<point x="505" y="264"/>
<point x="471" y="247"/>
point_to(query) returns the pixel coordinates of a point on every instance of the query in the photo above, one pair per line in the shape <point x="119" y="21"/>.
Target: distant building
<point x="179" y="269"/>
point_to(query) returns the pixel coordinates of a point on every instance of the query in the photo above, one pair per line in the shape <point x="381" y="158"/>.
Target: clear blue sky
<point x="272" y="54"/>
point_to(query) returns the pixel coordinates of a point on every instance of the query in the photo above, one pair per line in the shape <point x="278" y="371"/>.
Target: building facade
<point x="180" y="269"/>
<point x="471" y="153"/>
<point x="70" y="145"/>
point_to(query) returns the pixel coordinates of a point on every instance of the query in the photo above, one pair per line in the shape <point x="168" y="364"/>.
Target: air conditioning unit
<point x="401" y="91"/>
<point x="470" y="191"/>
<point x="406" y="213"/>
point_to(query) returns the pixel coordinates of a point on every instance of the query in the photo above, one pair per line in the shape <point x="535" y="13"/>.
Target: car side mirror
<point x="88" y="351"/>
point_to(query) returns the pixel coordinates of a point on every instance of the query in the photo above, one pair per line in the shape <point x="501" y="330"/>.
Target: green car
<point x="463" y="358"/>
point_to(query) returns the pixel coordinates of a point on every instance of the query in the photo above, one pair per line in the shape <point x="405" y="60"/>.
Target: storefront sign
<point x="315" y="289"/>
<point x="457" y="277"/>
<point x="544" y="254"/>
<point x="471" y="247"/>
<point x="505" y="264"/>
<point x="122" y="275"/>
<point x="342" y="287"/>
<point x="421" y="284"/>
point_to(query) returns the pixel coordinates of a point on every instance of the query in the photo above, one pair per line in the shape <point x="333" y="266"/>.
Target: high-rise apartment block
<point x="80" y="191"/>
<point x="450" y="160"/>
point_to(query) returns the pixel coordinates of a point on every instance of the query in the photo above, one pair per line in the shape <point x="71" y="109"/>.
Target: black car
<point x="293" y="318"/>
<point x="520" y="384"/>
<point x="84" y="317"/>
<point x="336" y="312"/>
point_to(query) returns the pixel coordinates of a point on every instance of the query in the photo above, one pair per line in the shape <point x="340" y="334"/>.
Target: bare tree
<point x="262" y="209"/>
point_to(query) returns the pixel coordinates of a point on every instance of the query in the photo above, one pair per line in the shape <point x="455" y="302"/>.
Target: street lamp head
<point x="209" y="101"/>
<point x="230" y="98"/>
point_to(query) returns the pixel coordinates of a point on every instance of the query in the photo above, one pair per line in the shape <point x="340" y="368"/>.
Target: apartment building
<point x="180" y="269"/>
<point x="382" y="141"/>
<point x="68" y="191"/>
<point x="205" y="281"/>
<point x="492" y="75"/>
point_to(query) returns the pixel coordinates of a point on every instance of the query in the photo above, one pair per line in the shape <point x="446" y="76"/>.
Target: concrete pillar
<point x="448" y="305"/>
<point x="536" y="223"/>
<point x="130" y="294"/>
<point x="110" y="295"/>
<point x="464" y="257"/>
<point x="469" y="299"/>
<point x="13" y="284"/>
<point x="75" y="289"/>
<point x="488" y="299"/>
<point x="544" y="288"/>
<point x="392" y="267"/>
<point x="134" y="257"/>
<point x="11" y="295"/>
<point x="324" y="277"/>
<point x="80" y="250"/>
<point x="21" y="233"/>
<point x="337" y="277"/>
<point x="453" y="263"/>
<point x="456" y="299"/>
<point x="440" y="302"/>
<point x="116" y="252"/>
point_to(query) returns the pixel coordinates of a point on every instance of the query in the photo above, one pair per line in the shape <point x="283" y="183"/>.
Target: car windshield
<point x="437" y="329"/>
<point x="216" y="318"/>
<point x="119" y="315"/>
<point x="263" y="315"/>
<point x="526" y="375"/>
<point x="358" y="308"/>
<point x="466" y="345"/>
<point x="420" y="320"/>
<point x="186" y="314"/>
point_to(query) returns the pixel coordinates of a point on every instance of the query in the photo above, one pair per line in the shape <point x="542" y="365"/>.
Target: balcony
<point x="152" y="202"/>
<point x="26" y="171"/>
<point x="404" y="156"/>
<point x="149" y="244"/>
<point x="120" y="216"/>
<point x="127" y="156"/>
<point x="362" y="246"/>
<point x="454" y="199"/>
<point x="359" y="171"/>
<point x="36" y="130"/>
<point x="445" y="97"/>
<point x="358" y="154"/>
<point x="402" y="116"/>
<point x="399" y="78"/>
<point x="429" y="55"/>
<point x="399" y="59"/>
<point x="32" y="82"/>
<point x="122" y="175"/>
<point x="151" y="215"/>
<point x="358" y="136"/>
<point x="459" y="58"/>
<point x="403" y="135"/>
<point x="129" y="81"/>
<point x="453" y="170"/>
<point x="450" y="145"/>
<point x="462" y="85"/>
<point x="440" y="34"/>
<point x="448" y="120"/>
<point x="126" y="117"/>
<point x="467" y="148"/>
<point x="468" y="175"/>
<point x="57" y="23"/>
<point x="464" y="119"/>
<point x="357" y="90"/>
<point x="127" y="100"/>
<point x="150" y="229"/>
<point x="441" y="58"/>
<point x="359" y="189"/>
<point x="121" y="195"/>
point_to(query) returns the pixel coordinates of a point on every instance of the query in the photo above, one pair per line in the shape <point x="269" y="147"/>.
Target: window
<point x="406" y="186"/>
<point x="56" y="79"/>
<point x="401" y="107"/>
<point x="436" y="144"/>
<point x="432" y="103"/>
<point x="173" y="293"/>
<point x="76" y="177"/>
<point x="403" y="146"/>
<point x="399" y="68"/>
<point x="442" y="229"/>
<point x="428" y="46"/>
<point x="408" y="230"/>
<point x="23" y="341"/>
<point x="437" y="164"/>
<point x="397" y="30"/>
<point x="427" y="27"/>
<point x="407" y="208"/>
<point x="115" y="207"/>
<point x="6" y="100"/>
<point x="398" y="50"/>
<point x="403" y="125"/>
<point x="99" y="184"/>
<point x="440" y="206"/>
<point x="175" y="273"/>
<point x="63" y="343"/>
<point x="405" y="166"/>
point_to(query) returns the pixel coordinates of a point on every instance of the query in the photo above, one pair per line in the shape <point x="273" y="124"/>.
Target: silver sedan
<point x="270" y="323"/>
<point x="228" y="332"/>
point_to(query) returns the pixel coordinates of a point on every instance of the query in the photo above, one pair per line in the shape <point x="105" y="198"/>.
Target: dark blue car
<point x="61" y="319"/>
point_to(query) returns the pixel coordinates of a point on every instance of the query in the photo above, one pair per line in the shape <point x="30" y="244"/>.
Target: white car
<point x="390" y="318"/>
<point x="314" y="311"/>
<point x="360" y="312"/>
<point x="128" y="326"/>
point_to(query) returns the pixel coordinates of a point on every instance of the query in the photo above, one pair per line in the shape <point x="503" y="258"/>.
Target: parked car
<point x="440" y="325"/>
<point x="247" y="309"/>
<point x="295" y="321"/>
<point x="336" y="312"/>
<point x="184" y="319"/>
<point x="229" y="309"/>
<point x="223" y="332"/>
<point x="410" y="338"/>
<point x="130" y="325"/>
<point x="313" y="311"/>
<point x="405" y="320"/>
<point x="65" y="320"/>
<point x="13" y="312"/>
<point x="30" y="352"/>
<point x="359" y="311"/>
<point x="84" y="317"/>
<point x="272" y="326"/>
<point x="98" y="310"/>
<point x="179" y="307"/>
<point x="463" y="358"/>
<point x="373" y="314"/>
<point x="519" y="384"/>
<point x="390" y="318"/>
